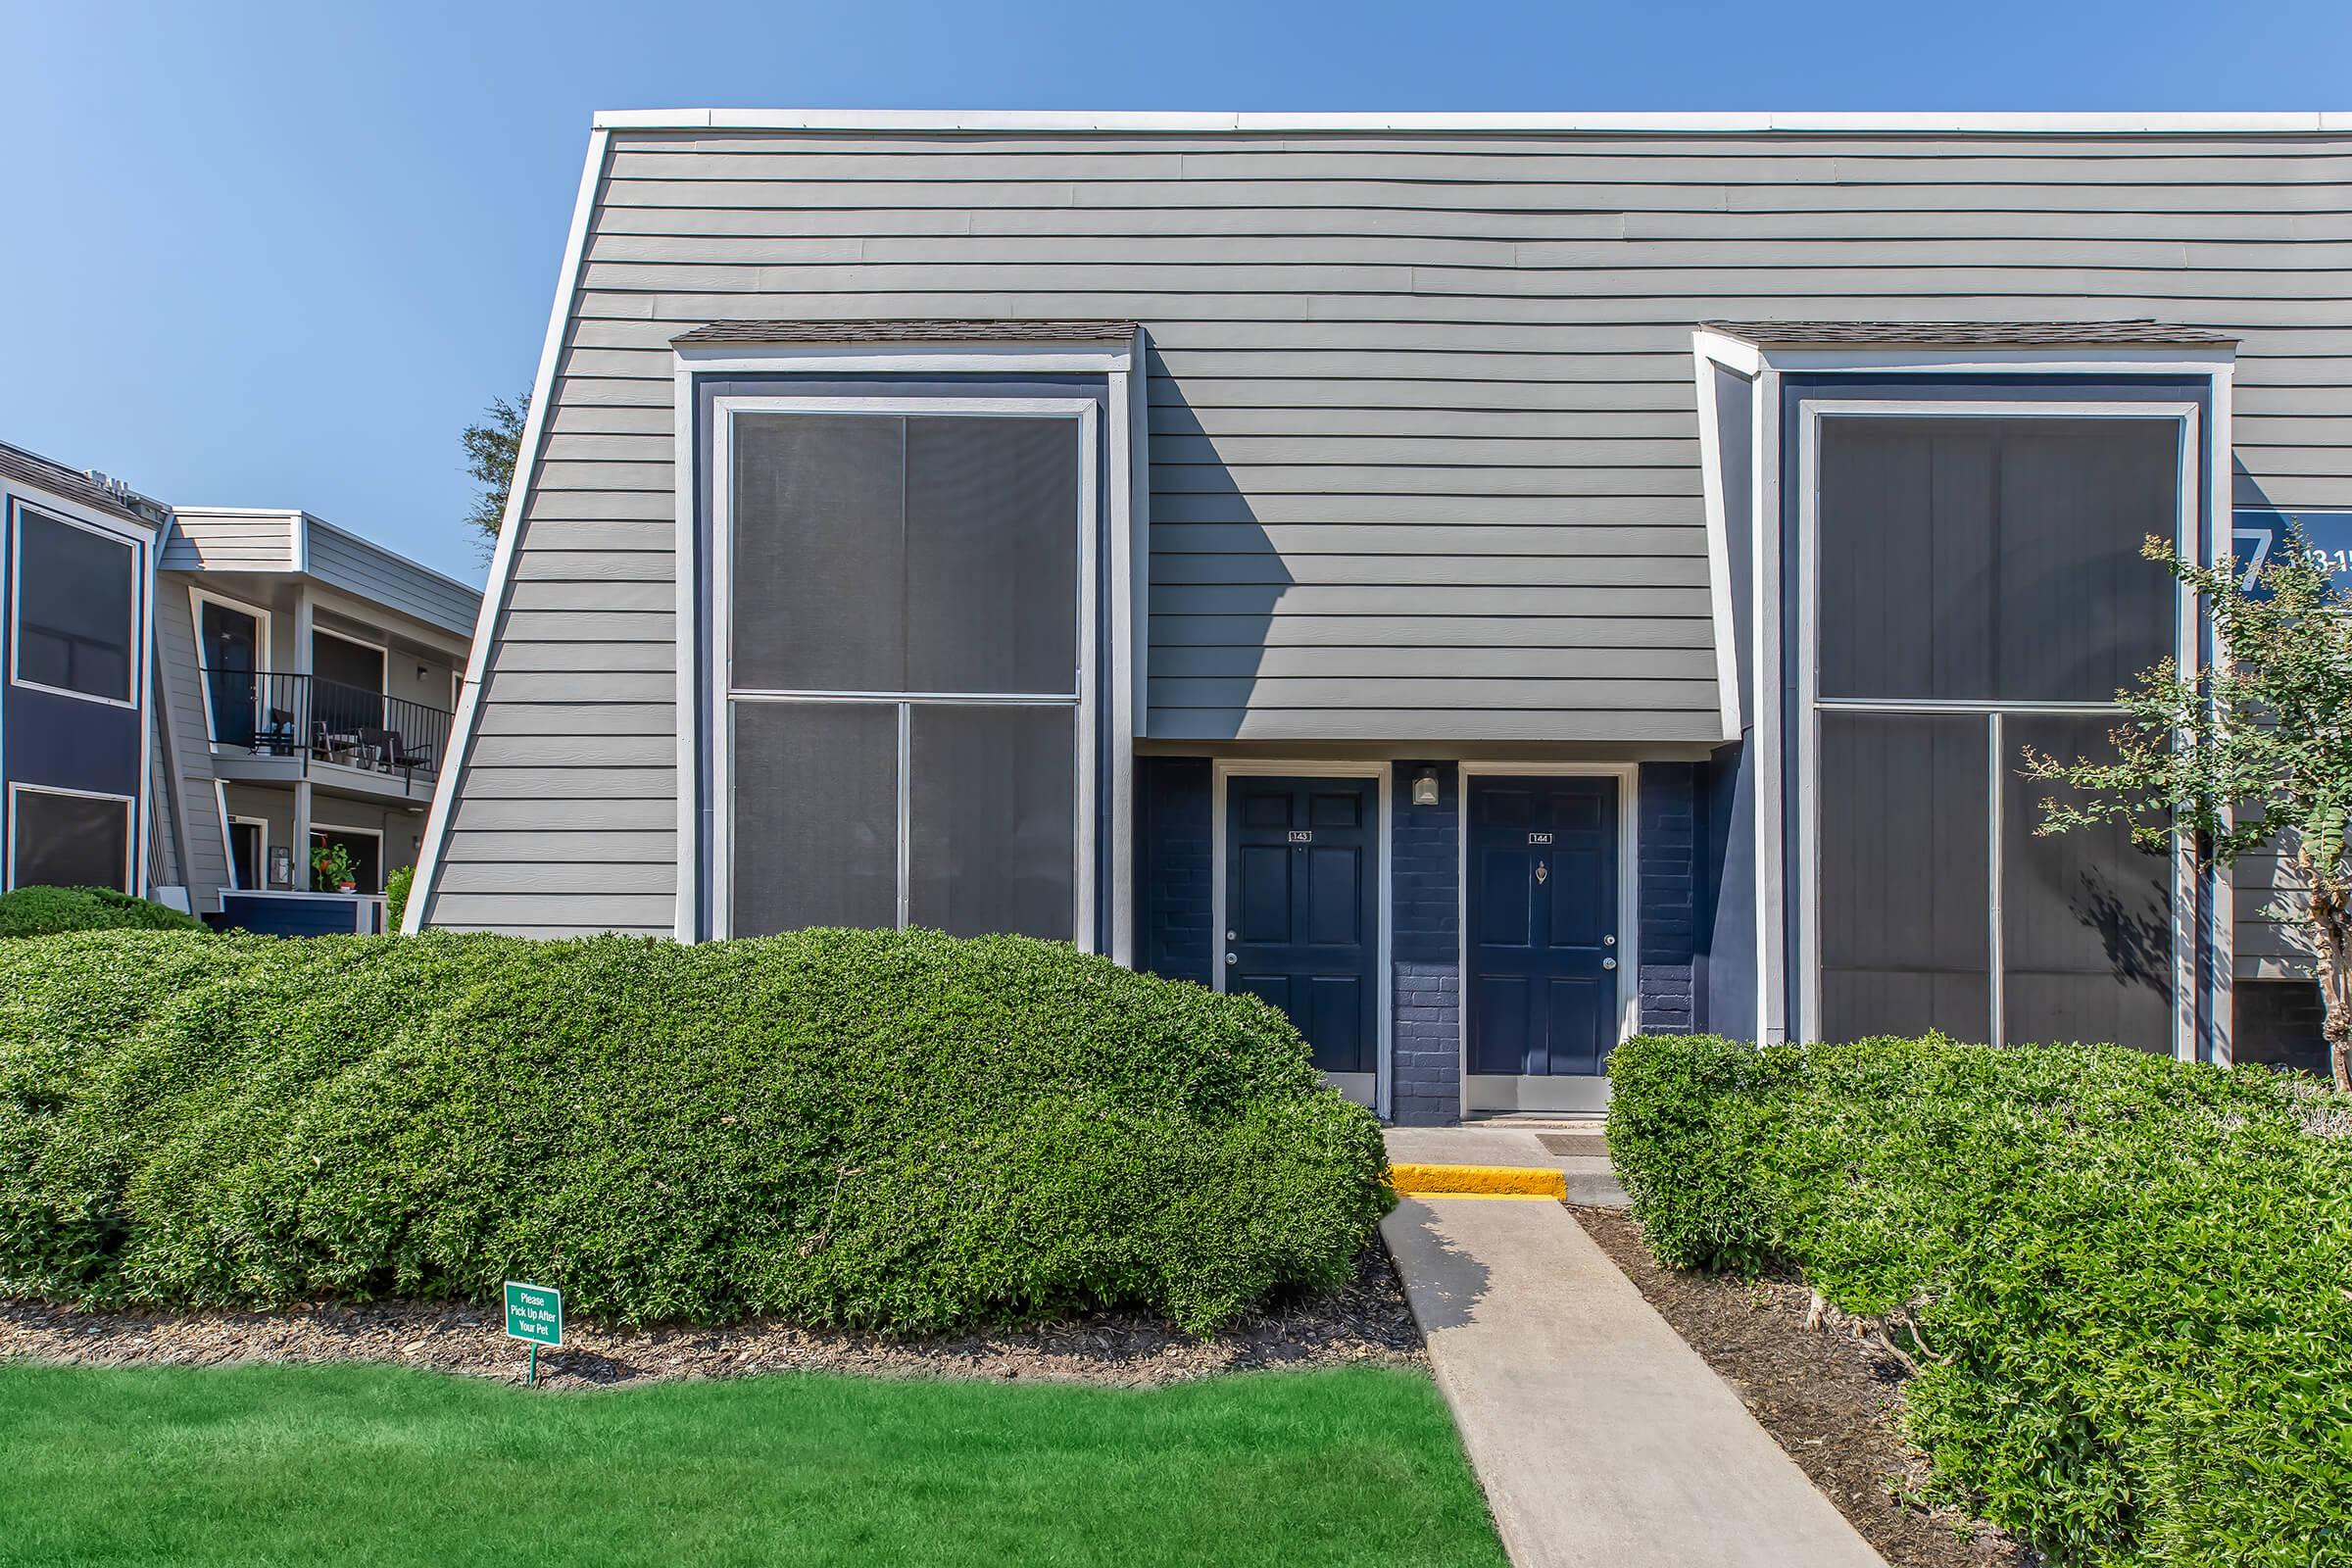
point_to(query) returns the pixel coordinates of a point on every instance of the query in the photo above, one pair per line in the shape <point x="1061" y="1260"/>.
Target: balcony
<point x="274" y="728"/>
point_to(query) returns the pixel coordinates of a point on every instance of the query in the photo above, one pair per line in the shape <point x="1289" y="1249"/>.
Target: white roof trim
<point x="1062" y="121"/>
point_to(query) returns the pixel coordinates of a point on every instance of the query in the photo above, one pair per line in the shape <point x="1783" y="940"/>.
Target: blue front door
<point x="1543" y="941"/>
<point x="1300" y="926"/>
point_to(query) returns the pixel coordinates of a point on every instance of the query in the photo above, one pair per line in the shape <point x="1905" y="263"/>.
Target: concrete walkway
<point x="1601" y="1439"/>
<point x="1575" y="1147"/>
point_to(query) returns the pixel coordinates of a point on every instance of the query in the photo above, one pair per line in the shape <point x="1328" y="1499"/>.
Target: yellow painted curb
<point x="1477" y="1180"/>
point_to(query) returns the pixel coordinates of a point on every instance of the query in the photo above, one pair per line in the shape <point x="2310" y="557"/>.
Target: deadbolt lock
<point x="1609" y="941"/>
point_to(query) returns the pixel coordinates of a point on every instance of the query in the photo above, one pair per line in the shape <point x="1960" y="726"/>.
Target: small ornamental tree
<point x="2254" y="751"/>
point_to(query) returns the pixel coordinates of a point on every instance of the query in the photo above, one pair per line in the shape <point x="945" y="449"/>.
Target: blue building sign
<point x="2256" y="536"/>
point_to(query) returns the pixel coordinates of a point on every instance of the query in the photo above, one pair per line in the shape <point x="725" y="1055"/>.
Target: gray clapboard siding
<point x="202" y="542"/>
<point x="204" y="856"/>
<point x="1423" y="447"/>
<point x="347" y="562"/>
<point x="165" y="865"/>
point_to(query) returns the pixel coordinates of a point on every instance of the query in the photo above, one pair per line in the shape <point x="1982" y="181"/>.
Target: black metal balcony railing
<point x="326" y="721"/>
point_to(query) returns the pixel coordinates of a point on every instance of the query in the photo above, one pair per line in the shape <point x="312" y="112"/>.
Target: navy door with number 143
<point x="1301" y="928"/>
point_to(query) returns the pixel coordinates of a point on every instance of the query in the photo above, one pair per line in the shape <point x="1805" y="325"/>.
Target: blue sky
<point x="278" y="255"/>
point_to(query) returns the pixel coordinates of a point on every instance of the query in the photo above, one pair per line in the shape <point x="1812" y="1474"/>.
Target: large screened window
<point x="1979" y="589"/>
<point x="66" y="839"/>
<point x="903" y="625"/>
<point x="77" y="607"/>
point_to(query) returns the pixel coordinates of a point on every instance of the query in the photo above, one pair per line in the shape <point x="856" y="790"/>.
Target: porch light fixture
<point x="1425" y="787"/>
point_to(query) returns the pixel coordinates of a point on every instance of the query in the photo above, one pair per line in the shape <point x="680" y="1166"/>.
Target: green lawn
<point x="269" y="1467"/>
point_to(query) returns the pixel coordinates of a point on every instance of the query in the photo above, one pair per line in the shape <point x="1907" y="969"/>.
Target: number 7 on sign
<point x="2260" y="538"/>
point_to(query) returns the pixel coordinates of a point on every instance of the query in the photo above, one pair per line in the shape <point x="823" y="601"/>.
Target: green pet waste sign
<point x="535" y="1314"/>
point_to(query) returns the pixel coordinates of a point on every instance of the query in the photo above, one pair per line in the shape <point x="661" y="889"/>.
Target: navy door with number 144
<point x="1543" y="941"/>
<point x="1301" y="928"/>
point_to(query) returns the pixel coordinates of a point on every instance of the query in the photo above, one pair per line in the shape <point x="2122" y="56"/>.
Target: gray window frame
<point x="1811" y="705"/>
<point x="1085" y="416"/>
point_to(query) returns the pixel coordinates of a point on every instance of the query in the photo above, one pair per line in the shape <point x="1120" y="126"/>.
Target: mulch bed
<point x="1364" y="1323"/>
<point x="1825" y="1395"/>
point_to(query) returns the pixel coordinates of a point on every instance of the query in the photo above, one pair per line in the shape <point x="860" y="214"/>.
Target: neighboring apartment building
<point x="1487" y="584"/>
<point x="77" y="721"/>
<point x="309" y="679"/>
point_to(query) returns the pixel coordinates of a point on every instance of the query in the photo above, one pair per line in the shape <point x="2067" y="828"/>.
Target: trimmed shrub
<point x="898" y="1131"/>
<point x="2126" y="1281"/>
<point x="43" y="911"/>
<point x="396" y="896"/>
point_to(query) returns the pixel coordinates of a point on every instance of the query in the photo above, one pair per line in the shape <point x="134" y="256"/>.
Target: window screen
<point x="70" y="841"/>
<point x="993" y="810"/>
<point x="816" y="820"/>
<point x="896" y="558"/>
<point x="991" y="555"/>
<point x="1976" y="574"/>
<point x="2087" y="917"/>
<point x="880" y="554"/>
<point x="819" y="564"/>
<point x="76" y="611"/>
<point x="1904" y="876"/>
<point x="1993" y="559"/>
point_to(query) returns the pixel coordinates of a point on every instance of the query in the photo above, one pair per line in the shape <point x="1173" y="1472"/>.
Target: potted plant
<point x="330" y="869"/>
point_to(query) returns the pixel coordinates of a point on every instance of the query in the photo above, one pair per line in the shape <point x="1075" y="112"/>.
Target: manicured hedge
<point x="904" y="1132"/>
<point x="2131" y="1278"/>
<point x="42" y="911"/>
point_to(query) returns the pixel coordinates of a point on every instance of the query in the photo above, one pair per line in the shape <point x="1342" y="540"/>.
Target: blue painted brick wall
<point x="1425" y="948"/>
<point x="1669" y="895"/>
<point x="1175" y="843"/>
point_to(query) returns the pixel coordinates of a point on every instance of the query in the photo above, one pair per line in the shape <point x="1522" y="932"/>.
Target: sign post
<point x="535" y="1314"/>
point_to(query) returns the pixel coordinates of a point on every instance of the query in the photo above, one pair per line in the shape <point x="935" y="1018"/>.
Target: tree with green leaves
<point x="490" y="451"/>
<point x="2250" y="754"/>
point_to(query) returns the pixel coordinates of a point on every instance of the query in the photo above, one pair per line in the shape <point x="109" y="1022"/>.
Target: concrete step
<point x="1583" y="1158"/>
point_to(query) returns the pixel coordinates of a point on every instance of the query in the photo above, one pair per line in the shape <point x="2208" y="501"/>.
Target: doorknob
<point x="1605" y="964"/>
<point x="1233" y="958"/>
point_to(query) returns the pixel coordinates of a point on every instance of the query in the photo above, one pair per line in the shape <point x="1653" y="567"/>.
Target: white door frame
<point x="1571" y="1094"/>
<point x="260" y="863"/>
<point x="197" y="596"/>
<point x="1384" y="978"/>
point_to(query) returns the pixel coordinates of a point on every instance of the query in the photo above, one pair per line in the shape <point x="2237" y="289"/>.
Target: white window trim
<point x="198" y="598"/>
<point x="711" y="852"/>
<point x="136" y="544"/>
<point x="132" y="880"/>
<point x="1628" y="906"/>
<point x="381" y="870"/>
<point x="1812" y="411"/>
<point x="1384" y="981"/>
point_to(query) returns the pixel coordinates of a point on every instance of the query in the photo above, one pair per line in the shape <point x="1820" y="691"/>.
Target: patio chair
<point x="395" y="753"/>
<point x="278" y="735"/>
